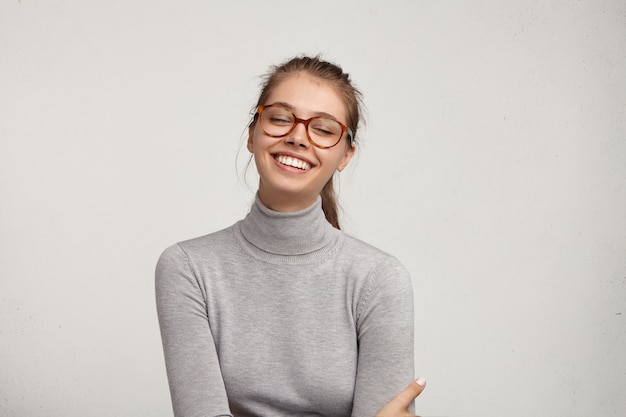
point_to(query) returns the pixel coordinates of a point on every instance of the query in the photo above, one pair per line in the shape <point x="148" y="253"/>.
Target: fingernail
<point x="420" y="381"/>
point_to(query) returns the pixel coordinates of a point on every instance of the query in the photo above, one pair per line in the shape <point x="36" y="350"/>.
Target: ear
<point x="250" y="139"/>
<point x="346" y="158"/>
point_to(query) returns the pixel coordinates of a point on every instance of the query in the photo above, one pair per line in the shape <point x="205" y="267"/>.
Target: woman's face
<point x="284" y="186"/>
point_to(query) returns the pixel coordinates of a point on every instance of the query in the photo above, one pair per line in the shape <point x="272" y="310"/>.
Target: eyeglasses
<point x="321" y="131"/>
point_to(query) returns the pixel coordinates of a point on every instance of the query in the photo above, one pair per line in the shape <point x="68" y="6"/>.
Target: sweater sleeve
<point x="385" y="338"/>
<point x="193" y="369"/>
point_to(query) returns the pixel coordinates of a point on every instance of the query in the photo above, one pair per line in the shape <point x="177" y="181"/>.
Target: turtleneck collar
<point x="305" y="234"/>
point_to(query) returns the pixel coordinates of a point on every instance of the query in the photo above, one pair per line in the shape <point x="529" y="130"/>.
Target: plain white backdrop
<point x="493" y="164"/>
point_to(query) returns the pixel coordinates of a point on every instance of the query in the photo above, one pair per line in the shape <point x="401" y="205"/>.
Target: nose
<point x="298" y="136"/>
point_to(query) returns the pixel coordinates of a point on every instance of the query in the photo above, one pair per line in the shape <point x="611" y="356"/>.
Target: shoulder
<point x="380" y="270"/>
<point x="357" y="251"/>
<point x="189" y="251"/>
<point x="386" y="289"/>
<point x="203" y="244"/>
<point x="210" y="241"/>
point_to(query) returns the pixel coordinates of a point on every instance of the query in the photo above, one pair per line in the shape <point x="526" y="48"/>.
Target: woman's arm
<point x="385" y="338"/>
<point x="193" y="369"/>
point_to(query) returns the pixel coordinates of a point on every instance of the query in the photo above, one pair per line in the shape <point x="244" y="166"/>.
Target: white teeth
<point x="293" y="162"/>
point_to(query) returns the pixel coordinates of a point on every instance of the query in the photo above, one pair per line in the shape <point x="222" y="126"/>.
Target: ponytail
<point x="329" y="203"/>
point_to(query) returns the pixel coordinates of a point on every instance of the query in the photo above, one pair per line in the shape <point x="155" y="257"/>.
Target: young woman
<point x="283" y="314"/>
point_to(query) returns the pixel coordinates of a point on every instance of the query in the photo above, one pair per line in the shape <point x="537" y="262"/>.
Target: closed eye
<point x="323" y="132"/>
<point x="280" y="120"/>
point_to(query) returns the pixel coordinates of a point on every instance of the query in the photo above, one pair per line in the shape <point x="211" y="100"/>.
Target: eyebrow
<point x="290" y="107"/>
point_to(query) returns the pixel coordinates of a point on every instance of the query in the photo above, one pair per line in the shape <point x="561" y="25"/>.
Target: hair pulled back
<point x="335" y="77"/>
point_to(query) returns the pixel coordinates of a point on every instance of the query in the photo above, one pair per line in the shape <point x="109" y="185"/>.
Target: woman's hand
<point x="399" y="406"/>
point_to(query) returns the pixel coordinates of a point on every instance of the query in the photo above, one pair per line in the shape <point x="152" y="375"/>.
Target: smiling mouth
<point x="292" y="162"/>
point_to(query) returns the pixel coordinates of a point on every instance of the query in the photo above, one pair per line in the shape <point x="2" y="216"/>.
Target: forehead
<point x="308" y="96"/>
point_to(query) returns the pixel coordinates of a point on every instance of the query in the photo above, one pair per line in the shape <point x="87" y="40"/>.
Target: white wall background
<point x="493" y="165"/>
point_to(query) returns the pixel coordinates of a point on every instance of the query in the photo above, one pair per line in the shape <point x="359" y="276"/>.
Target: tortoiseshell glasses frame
<point x="326" y="130"/>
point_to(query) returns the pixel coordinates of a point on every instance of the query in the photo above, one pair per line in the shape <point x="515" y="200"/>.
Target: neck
<point x="285" y="203"/>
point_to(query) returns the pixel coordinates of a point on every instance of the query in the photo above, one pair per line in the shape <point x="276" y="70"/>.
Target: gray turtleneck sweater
<point x="283" y="315"/>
